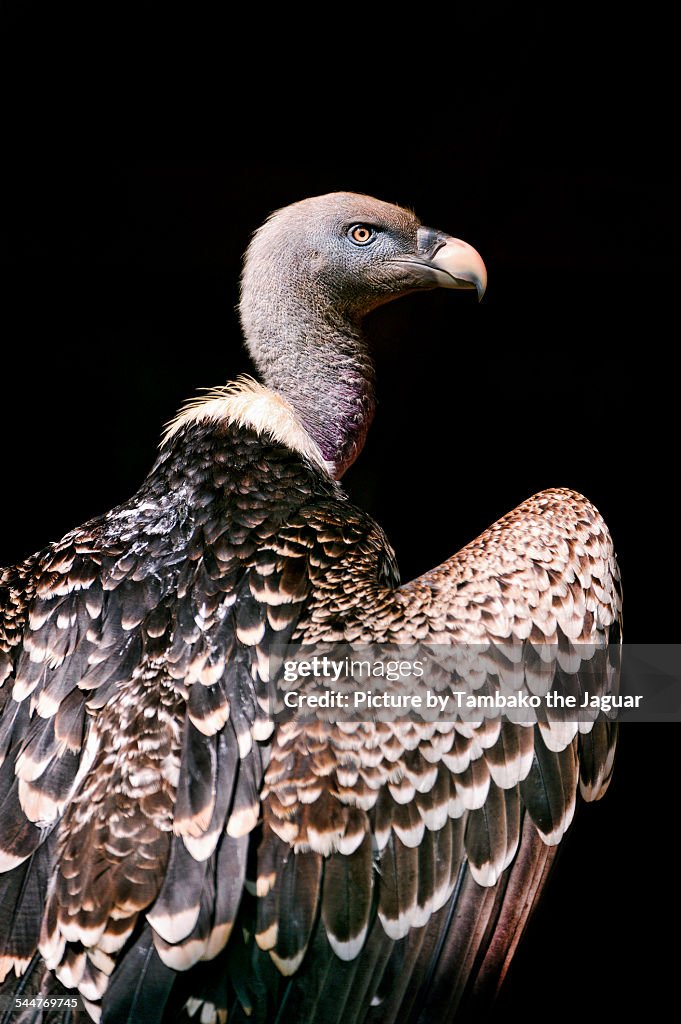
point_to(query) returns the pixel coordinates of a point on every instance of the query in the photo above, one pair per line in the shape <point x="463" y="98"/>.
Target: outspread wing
<point x="413" y="853"/>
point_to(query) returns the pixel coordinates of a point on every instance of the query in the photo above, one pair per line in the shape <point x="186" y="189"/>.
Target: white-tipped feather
<point x="268" y="939"/>
<point x="111" y="943"/>
<point x="9" y="860"/>
<point x="38" y="806"/>
<point x="558" y="735"/>
<point x="325" y="843"/>
<point x="52" y="948"/>
<point x="70" y="930"/>
<point x="71" y="974"/>
<point x="554" y="837"/>
<point x="286" y="830"/>
<point x="398" y="928"/>
<point x="94" y="1009"/>
<point x="243" y="821"/>
<point x="348" y="843"/>
<point x="101" y="961"/>
<point x="511" y="772"/>
<point x="212" y="723"/>
<point x="435" y="818"/>
<point x="201" y="847"/>
<point x="7" y="963"/>
<point x="351" y="948"/>
<point x="487" y="874"/>
<point x="404" y="793"/>
<point x="421" y="915"/>
<point x="458" y="762"/>
<point x="265" y="883"/>
<point x="245" y="743"/>
<point x="89" y="937"/>
<point x="29" y="770"/>
<point x="288" y="966"/>
<point x="252" y="635"/>
<point x="474" y="795"/>
<point x="411" y="837"/>
<point x="182" y="956"/>
<point x="262" y="728"/>
<point x="364" y="802"/>
<point x="93" y="988"/>
<point x="174" y="927"/>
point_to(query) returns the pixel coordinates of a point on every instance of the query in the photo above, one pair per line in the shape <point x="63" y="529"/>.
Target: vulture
<point x="173" y="850"/>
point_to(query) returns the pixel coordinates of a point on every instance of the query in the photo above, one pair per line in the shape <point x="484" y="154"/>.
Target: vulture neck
<point x="322" y="367"/>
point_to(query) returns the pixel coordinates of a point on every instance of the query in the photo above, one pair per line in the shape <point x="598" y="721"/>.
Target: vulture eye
<point x="361" y="234"/>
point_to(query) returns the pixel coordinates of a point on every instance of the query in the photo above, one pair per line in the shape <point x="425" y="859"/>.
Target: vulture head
<point x="343" y="255"/>
<point x="312" y="273"/>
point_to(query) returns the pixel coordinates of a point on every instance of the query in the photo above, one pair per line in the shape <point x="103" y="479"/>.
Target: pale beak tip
<point x="462" y="265"/>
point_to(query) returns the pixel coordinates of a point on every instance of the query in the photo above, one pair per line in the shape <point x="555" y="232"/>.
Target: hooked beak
<point x="445" y="262"/>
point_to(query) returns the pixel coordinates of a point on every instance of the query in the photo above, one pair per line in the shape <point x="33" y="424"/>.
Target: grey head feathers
<point x="312" y="272"/>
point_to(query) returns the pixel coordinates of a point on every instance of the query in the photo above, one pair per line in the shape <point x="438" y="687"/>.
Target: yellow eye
<point x="361" y="234"/>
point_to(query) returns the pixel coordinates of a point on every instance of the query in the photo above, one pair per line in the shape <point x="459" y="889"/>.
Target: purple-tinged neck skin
<point x="310" y="350"/>
<point x="338" y="420"/>
<point x="328" y="377"/>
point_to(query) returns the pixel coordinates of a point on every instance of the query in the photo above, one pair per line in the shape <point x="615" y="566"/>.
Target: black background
<point x="549" y="149"/>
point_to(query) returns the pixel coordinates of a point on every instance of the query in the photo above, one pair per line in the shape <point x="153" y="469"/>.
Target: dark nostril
<point x="429" y="241"/>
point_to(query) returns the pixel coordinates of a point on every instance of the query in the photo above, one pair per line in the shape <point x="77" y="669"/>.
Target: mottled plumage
<point x="377" y="871"/>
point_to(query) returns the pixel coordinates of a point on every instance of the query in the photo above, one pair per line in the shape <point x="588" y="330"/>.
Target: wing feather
<point x="450" y="844"/>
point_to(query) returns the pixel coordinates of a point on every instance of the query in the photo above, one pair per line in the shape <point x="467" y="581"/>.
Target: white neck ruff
<point x="246" y="403"/>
